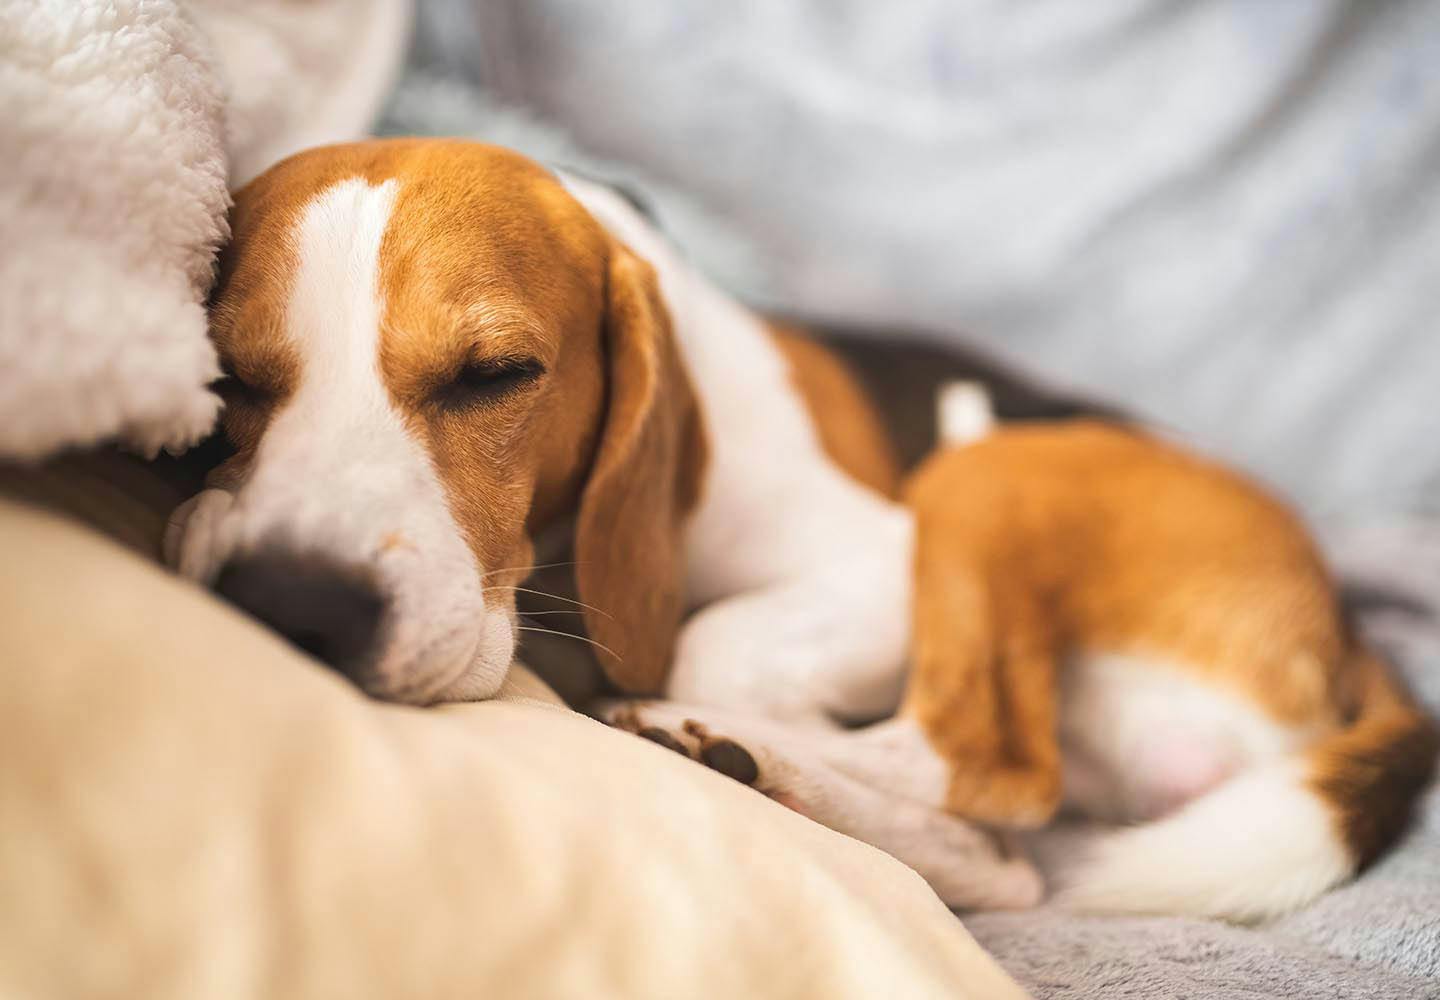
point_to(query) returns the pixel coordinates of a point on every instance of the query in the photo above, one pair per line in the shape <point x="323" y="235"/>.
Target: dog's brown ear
<point x="645" y="479"/>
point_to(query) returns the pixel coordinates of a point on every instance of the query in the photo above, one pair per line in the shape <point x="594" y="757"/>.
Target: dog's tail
<point x="1275" y="837"/>
<point x="964" y="413"/>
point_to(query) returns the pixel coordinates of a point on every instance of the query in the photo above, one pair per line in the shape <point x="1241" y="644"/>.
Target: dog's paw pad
<point x="731" y="760"/>
<point x="657" y="735"/>
<point x="624" y="717"/>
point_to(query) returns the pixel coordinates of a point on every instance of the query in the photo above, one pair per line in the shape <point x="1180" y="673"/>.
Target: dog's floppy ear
<point x="645" y="478"/>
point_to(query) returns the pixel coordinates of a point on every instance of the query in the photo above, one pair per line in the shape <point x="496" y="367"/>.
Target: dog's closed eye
<point x="481" y="382"/>
<point x="233" y="389"/>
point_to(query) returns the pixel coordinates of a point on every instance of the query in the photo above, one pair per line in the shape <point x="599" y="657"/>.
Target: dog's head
<point x="432" y="351"/>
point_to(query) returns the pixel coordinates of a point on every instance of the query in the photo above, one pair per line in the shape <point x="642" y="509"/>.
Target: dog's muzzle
<point x="403" y="615"/>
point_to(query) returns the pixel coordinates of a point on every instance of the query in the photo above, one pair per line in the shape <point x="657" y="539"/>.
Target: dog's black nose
<point x="327" y="611"/>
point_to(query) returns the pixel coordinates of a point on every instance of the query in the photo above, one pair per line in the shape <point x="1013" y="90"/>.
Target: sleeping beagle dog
<point x="435" y="351"/>
<point x="438" y="351"/>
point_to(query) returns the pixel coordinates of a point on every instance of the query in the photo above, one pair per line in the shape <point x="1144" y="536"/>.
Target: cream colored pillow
<point x="191" y="809"/>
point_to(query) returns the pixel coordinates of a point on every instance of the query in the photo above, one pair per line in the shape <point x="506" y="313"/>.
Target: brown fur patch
<point x="850" y="429"/>
<point x="487" y="258"/>
<point x="645" y="479"/>
<point x="1371" y="772"/>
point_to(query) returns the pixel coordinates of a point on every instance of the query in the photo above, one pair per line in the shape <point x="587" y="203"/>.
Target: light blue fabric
<point x="1225" y="214"/>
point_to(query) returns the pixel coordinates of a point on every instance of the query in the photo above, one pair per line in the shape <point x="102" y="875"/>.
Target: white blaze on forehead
<point x="339" y="431"/>
<point x="335" y="305"/>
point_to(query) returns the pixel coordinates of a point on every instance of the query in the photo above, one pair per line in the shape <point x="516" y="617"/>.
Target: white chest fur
<point x="803" y="575"/>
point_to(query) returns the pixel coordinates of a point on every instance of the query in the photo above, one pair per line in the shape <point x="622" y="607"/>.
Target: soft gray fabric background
<point x="1222" y="213"/>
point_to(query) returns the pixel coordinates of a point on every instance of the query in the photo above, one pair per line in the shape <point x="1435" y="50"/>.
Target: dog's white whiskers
<point x="562" y="611"/>
<point x="569" y="635"/>
<point x="527" y="569"/>
<point x="557" y="597"/>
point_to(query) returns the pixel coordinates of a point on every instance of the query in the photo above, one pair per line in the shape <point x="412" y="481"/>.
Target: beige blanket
<point x="192" y="809"/>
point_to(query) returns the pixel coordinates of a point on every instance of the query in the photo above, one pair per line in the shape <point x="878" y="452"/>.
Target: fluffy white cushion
<point x="112" y="203"/>
<point x="120" y="126"/>
<point x="193" y="809"/>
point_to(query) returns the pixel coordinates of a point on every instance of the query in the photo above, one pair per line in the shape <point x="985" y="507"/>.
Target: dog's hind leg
<point x="982" y="686"/>
<point x="983" y="692"/>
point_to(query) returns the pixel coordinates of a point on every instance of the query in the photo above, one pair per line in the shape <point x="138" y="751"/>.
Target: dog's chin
<point x="472" y="671"/>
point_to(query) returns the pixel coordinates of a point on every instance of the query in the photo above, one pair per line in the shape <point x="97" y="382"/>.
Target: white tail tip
<point x="1257" y="847"/>
<point x="964" y="413"/>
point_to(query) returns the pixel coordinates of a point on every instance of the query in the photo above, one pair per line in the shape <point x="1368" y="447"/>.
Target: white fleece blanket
<point x="121" y="124"/>
<point x="112" y="205"/>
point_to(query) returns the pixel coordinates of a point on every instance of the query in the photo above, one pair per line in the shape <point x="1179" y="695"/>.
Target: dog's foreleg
<point x="963" y="864"/>
<point x="826" y="647"/>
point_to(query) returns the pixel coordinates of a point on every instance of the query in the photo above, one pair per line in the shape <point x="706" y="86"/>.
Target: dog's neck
<point x="763" y="447"/>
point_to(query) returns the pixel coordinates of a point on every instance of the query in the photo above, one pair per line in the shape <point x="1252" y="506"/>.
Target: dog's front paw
<point x="720" y="753"/>
<point x="963" y="863"/>
<point x="673" y="729"/>
<point x="193" y="544"/>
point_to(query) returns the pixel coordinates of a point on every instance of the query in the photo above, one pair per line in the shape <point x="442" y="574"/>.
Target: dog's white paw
<point x="194" y="544"/>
